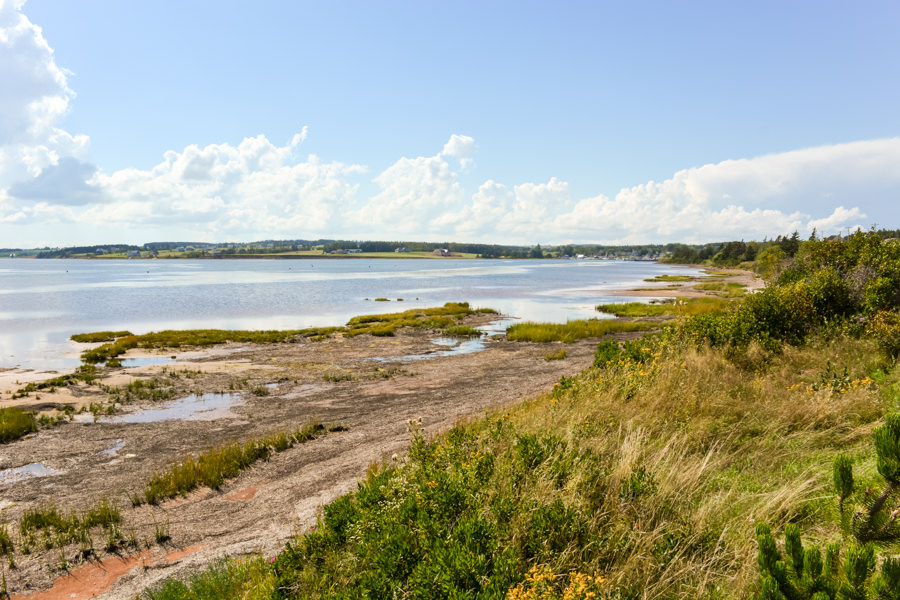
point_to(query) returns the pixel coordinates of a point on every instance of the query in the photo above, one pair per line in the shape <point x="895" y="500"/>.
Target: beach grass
<point x="556" y="355"/>
<point x="99" y="336"/>
<point x="573" y="330"/>
<point x="249" y="579"/>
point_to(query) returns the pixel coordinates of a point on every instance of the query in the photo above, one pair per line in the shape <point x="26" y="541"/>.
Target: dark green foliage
<point x="843" y="478"/>
<point x="640" y="482"/>
<point x="887" y="448"/>
<point x="870" y="516"/>
<point x="460" y="519"/>
<point x="801" y="574"/>
<point x="828" y="283"/>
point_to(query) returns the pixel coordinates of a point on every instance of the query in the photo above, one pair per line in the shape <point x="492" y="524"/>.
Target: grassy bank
<point x="646" y="475"/>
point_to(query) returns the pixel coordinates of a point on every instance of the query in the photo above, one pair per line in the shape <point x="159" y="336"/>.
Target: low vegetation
<point x="675" y="307"/>
<point x="646" y="475"/>
<point x="672" y="278"/>
<point x="84" y="373"/>
<point x="117" y="343"/>
<point x="48" y="527"/>
<point x="571" y="331"/>
<point x="445" y="319"/>
<point x="15" y="423"/>
<point x="212" y="467"/>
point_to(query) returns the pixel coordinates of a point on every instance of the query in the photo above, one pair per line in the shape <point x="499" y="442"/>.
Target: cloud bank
<point x="256" y="189"/>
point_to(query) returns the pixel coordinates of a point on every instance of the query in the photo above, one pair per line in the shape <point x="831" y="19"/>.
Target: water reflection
<point x="17" y="474"/>
<point x="203" y="407"/>
<point x="43" y="302"/>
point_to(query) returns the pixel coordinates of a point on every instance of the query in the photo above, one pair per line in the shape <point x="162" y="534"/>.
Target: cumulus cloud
<point x="68" y="182"/>
<point x="461" y="147"/>
<point x="255" y="186"/>
<point x="33" y="98"/>
<point x="416" y="193"/>
<point x="749" y="198"/>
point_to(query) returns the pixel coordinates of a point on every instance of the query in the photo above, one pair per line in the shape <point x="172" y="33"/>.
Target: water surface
<point x="43" y="302"/>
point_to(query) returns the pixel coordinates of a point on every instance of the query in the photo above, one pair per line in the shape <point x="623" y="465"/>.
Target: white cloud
<point x="461" y="147"/>
<point x="415" y="194"/>
<point x="750" y="198"/>
<point x="33" y="99"/>
<point x="255" y="188"/>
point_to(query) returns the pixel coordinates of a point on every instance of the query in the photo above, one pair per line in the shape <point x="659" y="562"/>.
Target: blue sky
<point x="518" y="122"/>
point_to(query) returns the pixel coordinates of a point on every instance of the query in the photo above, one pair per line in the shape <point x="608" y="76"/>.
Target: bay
<point x="43" y="302"/>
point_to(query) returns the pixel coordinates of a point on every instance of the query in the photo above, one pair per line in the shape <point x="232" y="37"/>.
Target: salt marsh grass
<point x="676" y="307"/>
<point x="571" y="331"/>
<point x="15" y="423"/>
<point x="212" y="467"/>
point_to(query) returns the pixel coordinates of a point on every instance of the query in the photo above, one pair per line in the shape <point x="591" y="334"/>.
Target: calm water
<point x="43" y="302"/>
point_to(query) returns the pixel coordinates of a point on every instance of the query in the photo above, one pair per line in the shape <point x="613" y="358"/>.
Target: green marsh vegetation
<point x="85" y="374"/>
<point x="646" y="475"/>
<point x="15" y="423"/>
<point x="116" y="343"/>
<point x="676" y="307"/>
<point x="571" y="331"/>
<point x="672" y="278"/>
<point x="212" y="467"/>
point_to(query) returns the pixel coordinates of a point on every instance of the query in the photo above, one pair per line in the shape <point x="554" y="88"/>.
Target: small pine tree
<point x="802" y="574"/>
<point x="872" y="518"/>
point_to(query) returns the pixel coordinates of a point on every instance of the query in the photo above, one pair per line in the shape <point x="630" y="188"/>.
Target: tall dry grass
<point x="728" y="445"/>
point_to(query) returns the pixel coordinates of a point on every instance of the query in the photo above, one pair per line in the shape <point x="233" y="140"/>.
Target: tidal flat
<point x="364" y="389"/>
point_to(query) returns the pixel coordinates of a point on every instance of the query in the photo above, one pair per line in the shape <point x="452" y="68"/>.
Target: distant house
<point x="441" y="252"/>
<point x="354" y="251"/>
<point x="134" y="254"/>
<point x="401" y="249"/>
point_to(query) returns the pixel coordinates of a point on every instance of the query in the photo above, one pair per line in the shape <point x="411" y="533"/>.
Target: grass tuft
<point x="15" y="423"/>
<point x="212" y="467"/>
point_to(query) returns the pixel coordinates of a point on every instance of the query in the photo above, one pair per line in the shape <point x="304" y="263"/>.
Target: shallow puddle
<point x="114" y="449"/>
<point x="454" y="346"/>
<point x="17" y="474"/>
<point x="205" y="407"/>
<point x="143" y="361"/>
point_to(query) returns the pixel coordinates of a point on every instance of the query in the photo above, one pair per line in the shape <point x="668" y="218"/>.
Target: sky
<point x="501" y="122"/>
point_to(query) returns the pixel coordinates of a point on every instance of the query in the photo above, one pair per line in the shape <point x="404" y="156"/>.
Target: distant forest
<point x="725" y="253"/>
